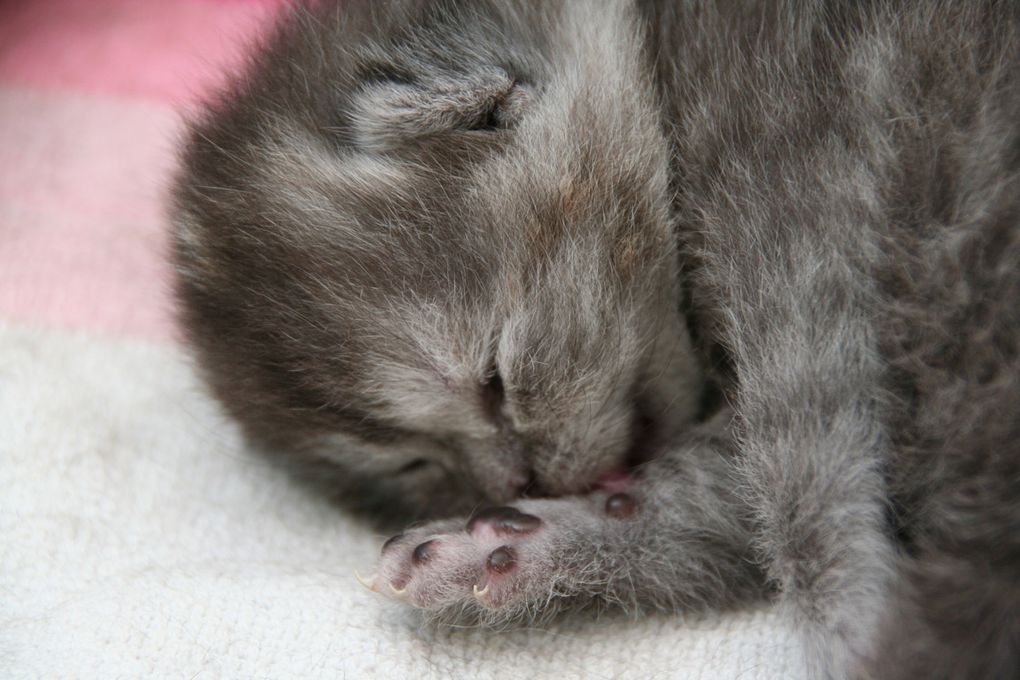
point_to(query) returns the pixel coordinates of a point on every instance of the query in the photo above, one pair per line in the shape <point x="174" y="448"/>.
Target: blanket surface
<point x="138" y="538"/>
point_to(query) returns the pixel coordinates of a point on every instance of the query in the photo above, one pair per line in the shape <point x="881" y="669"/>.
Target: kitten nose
<point x="502" y="478"/>
<point x="511" y="485"/>
<point x="529" y="486"/>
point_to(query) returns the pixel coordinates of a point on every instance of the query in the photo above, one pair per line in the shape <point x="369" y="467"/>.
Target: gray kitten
<point x="723" y="298"/>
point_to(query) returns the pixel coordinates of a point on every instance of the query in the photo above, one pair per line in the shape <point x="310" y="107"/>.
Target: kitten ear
<point x="389" y="114"/>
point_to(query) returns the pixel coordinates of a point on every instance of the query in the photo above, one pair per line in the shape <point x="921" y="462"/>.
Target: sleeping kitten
<point x="507" y="251"/>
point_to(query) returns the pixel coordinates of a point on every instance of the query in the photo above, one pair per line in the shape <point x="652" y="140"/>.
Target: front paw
<point x="501" y="562"/>
<point x="485" y="562"/>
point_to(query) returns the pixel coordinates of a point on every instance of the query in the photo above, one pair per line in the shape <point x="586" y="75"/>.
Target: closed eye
<point x="494" y="396"/>
<point x="414" y="466"/>
<point x="488" y="120"/>
<point x="644" y="435"/>
<point x="386" y="74"/>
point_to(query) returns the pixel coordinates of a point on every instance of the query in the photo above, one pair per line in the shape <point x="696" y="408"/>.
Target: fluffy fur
<point x="471" y="251"/>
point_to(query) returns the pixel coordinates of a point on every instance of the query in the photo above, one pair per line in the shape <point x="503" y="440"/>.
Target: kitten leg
<point x="676" y="539"/>
<point x="793" y="293"/>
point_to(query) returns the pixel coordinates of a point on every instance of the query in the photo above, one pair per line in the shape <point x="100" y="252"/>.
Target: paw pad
<point x="621" y="506"/>
<point x="501" y="560"/>
<point x="423" y="553"/>
<point x="390" y="542"/>
<point x="502" y="521"/>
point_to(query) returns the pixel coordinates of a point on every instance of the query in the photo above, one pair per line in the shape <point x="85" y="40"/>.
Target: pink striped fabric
<point x="91" y="97"/>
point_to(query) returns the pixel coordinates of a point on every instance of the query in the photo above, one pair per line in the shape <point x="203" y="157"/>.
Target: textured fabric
<point x="92" y="97"/>
<point x="140" y="540"/>
<point x="137" y="537"/>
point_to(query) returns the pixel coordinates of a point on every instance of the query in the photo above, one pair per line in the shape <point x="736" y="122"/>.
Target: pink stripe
<point x="82" y="229"/>
<point x="167" y="50"/>
<point x="82" y="187"/>
<point x="61" y="270"/>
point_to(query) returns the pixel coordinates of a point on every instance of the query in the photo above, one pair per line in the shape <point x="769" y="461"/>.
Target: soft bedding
<point x="137" y="537"/>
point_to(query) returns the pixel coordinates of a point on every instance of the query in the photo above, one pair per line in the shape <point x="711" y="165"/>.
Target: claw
<point x="480" y="593"/>
<point x="399" y="592"/>
<point x="367" y="582"/>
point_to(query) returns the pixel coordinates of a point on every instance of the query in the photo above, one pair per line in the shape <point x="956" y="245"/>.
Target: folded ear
<point x="390" y="114"/>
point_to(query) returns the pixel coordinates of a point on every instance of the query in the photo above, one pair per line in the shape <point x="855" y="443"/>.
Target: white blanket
<point x="139" y="540"/>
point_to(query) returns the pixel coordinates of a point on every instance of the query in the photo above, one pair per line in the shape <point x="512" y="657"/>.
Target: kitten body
<point x="468" y="252"/>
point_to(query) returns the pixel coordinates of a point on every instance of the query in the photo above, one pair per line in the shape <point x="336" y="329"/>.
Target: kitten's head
<point x="432" y="245"/>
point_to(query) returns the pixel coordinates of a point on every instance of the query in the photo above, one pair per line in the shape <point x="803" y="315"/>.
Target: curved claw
<point x="367" y="582"/>
<point x="399" y="592"/>
<point x="480" y="593"/>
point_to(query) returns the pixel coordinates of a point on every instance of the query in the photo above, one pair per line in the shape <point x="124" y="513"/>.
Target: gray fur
<point x="446" y="253"/>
